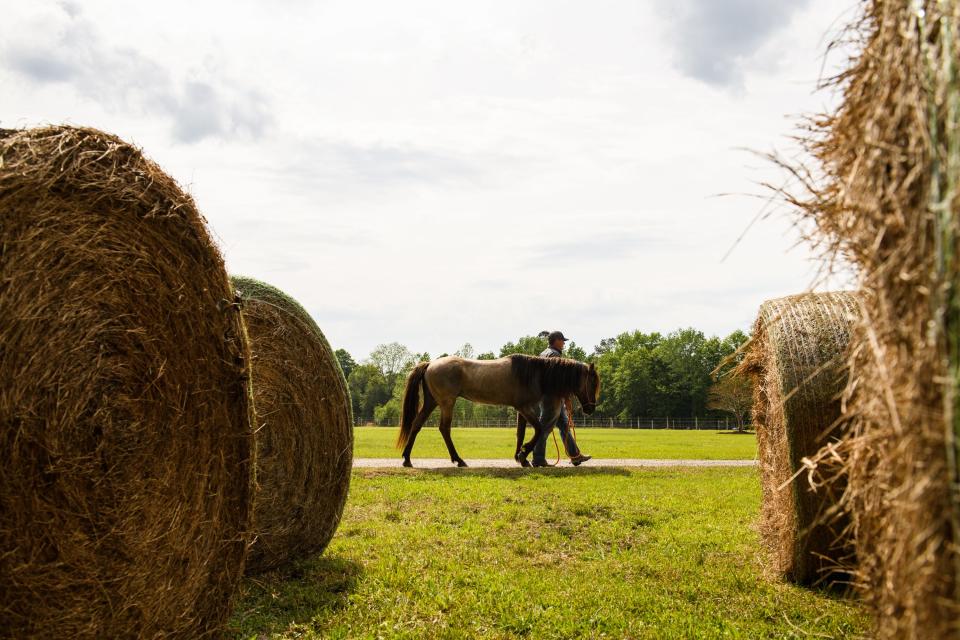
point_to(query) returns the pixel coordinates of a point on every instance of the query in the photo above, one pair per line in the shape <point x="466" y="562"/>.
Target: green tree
<point x="732" y="351"/>
<point x="733" y="394"/>
<point x="575" y="352"/>
<point x="368" y="389"/>
<point x="391" y="358"/>
<point x="347" y="363"/>
<point x="654" y="375"/>
<point x="529" y="345"/>
<point x="607" y="344"/>
<point x="686" y="356"/>
<point x="466" y="351"/>
<point x="629" y="371"/>
<point x="388" y="414"/>
<point x="628" y="389"/>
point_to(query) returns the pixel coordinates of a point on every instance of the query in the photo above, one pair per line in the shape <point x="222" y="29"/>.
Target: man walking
<point x="557" y="342"/>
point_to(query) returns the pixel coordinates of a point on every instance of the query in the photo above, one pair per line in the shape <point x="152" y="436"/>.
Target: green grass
<point x="378" y="442"/>
<point x="574" y="553"/>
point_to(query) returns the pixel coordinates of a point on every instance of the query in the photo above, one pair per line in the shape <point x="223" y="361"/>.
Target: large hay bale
<point x="886" y="198"/>
<point x="305" y="432"/>
<point x="125" y="432"/>
<point x="797" y="359"/>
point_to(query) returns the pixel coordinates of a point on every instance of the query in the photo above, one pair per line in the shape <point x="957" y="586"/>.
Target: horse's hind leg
<point x="429" y="404"/>
<point x="521" y="430"/>
<point x="446" y="421"/>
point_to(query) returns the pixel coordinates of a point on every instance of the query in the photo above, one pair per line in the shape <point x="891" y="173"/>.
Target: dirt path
<point x="506" y="463"/>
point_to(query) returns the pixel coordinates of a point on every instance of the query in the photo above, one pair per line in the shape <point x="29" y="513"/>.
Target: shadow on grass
<point x="304" y="590"/>
<point x="508" y="473"/>
<point x="836" y="583"/>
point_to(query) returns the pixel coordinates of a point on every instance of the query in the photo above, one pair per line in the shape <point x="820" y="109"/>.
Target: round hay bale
<point x="305" y="431"/>
<point x="797" y="360"/>
<point x="885" y="196"/>
<point x="126" y="436"/>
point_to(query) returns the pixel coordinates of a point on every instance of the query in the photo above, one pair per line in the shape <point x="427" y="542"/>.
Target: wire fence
<point x="581" y="422"/>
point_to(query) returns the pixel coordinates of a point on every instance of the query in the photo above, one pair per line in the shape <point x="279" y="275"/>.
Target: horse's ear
<point x="592" y="367"/>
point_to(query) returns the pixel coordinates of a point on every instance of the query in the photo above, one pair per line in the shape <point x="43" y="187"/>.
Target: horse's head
<point x="589" y="391"/>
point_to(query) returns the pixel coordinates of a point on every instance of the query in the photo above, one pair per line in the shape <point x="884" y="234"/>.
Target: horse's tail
<point x="411" y="402"/>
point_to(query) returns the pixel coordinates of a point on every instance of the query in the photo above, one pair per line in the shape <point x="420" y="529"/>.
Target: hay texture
<point x="125" y="427"/>
<point x="884" y="196"/>
<point x="305" y="430"/>
<point x="797" y="359"/>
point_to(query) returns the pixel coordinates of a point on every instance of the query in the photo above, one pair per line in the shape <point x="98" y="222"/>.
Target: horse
<point x="523" y="382"/>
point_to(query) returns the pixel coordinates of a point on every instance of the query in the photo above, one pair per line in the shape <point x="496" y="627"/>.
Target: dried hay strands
<point x="886" y="197"/>
<point x="126" y="440"/>
<point x="797" y="361"/>
<point x="305" y="436"/>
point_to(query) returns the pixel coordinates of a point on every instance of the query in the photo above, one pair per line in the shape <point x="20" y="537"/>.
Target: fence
<point x="591" y="422"/>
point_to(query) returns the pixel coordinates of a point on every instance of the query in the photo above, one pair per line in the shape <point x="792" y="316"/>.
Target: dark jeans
<point x="540" y="449"/>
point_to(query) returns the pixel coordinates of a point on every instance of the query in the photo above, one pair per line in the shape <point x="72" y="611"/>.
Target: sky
<point x="436" y="172"/>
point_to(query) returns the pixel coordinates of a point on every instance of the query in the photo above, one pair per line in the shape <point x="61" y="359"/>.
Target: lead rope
<point x="555" y="446"/>
<point x="568" y="403"/>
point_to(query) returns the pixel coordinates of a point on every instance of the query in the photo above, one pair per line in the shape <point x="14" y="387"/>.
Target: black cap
<point x="556" y="335"/>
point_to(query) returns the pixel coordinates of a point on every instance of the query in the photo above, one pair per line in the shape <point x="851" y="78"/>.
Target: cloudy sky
<point x="436" y="172"/>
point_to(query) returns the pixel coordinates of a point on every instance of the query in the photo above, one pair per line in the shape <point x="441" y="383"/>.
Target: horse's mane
<point x="557" y="376"/>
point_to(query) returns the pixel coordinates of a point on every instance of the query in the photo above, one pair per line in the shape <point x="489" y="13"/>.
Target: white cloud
<point x="433" y="172"/>
<point x="713" y="38"/>
<point x="58" y="44"/>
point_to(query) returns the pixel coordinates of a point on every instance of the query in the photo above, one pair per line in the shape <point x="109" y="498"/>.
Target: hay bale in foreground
<point x="797" y="360"/>
<point x="305" y="433"/>
<point x="885" y="196"/>
<point x="125" y="427"/>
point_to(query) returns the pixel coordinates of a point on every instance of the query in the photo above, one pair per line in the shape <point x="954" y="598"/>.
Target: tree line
<point x="681" y="375"/>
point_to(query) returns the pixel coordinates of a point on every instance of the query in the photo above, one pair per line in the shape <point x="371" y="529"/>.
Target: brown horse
<point x="522" y="382"/>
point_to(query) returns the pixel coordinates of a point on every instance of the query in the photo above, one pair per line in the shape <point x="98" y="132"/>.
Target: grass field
<point x="574" y="553"/>
<point x="378" y="442"/>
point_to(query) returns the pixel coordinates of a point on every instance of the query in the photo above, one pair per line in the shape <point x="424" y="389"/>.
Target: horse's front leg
<point x="521" y="430"/>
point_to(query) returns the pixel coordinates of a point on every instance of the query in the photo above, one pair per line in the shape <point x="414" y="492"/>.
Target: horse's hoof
<point x="407" y="463"/>
<point x="524" y="463"/>
<point x="460" y="463"/>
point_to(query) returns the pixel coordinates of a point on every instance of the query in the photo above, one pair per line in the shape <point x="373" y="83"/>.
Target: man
<point x="557" y="342"/>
